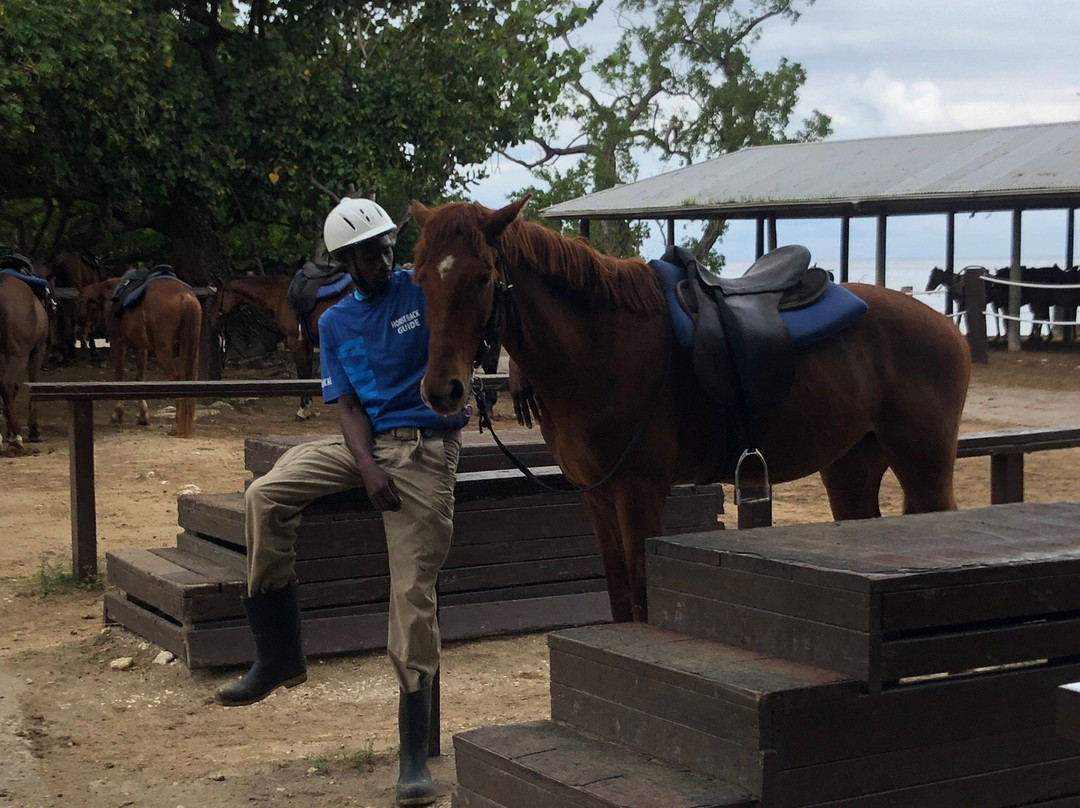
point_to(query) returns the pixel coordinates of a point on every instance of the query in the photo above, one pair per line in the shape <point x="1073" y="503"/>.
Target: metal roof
<point x="1035" y="166"/>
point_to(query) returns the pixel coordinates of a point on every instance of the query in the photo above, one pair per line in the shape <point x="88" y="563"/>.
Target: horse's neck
<point x="266" y="296"/>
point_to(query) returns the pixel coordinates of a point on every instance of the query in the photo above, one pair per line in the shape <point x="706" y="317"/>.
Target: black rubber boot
<point x="415" y="786"/>
<point x="279" y="654"/>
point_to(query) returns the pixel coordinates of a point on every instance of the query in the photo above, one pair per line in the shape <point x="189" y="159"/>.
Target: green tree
<point x="226" y="129"/>
<point x="679" y="85"/>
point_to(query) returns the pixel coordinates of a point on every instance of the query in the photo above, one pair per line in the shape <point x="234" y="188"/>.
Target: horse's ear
<point x="420" y="212"/>
<point x="500" y="219"/>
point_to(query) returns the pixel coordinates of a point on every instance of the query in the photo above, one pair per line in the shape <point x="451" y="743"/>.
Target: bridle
<point x="504" y="310"/>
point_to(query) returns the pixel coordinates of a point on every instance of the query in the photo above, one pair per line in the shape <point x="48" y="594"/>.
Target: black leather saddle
<point x="744" y="357"/>
<point x="312" y="283"/>
<point x="129" y="291"/>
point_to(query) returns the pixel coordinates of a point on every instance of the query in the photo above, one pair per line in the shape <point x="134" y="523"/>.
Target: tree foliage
<point x="228" y="129"/>
<point x="680" y="85"/>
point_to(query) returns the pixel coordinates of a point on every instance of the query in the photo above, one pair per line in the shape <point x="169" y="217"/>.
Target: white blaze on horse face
<point x="444" y="266"/>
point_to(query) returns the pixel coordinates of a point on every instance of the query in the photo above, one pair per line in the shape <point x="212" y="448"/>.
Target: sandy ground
<point x="74" y="731"/>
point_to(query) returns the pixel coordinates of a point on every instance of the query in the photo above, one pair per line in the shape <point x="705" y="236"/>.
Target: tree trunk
<point x="198" y="250"/>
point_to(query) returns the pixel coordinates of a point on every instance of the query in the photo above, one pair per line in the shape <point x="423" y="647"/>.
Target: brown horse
<point x="268" y="294"/>
<point x="24" y="332"/>
<point x="590" y="334"/>
<point x="168" y="320"/>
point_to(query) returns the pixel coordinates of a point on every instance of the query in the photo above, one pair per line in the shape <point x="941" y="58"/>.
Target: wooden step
<point x="347" y="629"/>
<point x="544" y="764"/>
<point x="691" y="702"/>
<point x="800" y="736"/>
<point x="882" y="600"/>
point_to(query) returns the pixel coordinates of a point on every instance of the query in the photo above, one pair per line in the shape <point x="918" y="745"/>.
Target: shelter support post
<point x="974" y="306"/>
<point x="879" y="253"/>
<point x="1068" y="332"/>
<point x="950" y="258"/>
<point x="845" y="248"/>
<point x="671" y="232"/>
<point x="584" y="226"/>
<point x="83" y="507"/>
<point x="759" y="239"/>
<point x="772" y="233"/>
<point x="1012" y="325"/>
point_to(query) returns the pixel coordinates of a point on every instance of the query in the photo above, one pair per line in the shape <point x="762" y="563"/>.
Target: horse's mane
<point x="573" y="263"/>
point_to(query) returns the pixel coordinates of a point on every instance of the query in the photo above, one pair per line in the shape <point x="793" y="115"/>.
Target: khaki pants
<point x="417" y="536"/>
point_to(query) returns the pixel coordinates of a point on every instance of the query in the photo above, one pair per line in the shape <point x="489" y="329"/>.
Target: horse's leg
<point x="142" y="356"/>
<point x="605" y="521"/>
<point x="116" y="346"/>
<point x="9" y="389"/>
<point x="37" y="357"/>
<point x="303" y="355"/>
<point x="853" y="482"/>
<point x="641" y="516"/>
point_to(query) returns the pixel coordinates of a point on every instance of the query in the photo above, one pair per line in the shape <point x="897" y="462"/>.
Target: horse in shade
<point x="165" y="319"/>
<point x="269" y="295"/>
<point x="24" y="332"/>
<point x="620" y="404"/>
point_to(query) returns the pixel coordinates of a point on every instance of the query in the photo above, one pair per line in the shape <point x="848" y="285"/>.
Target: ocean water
<point x="912" y="274"/>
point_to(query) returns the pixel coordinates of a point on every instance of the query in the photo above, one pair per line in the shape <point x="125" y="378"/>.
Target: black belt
<point x="409" y="433"/>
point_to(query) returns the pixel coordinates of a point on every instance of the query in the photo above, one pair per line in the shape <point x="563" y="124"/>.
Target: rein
<point x="502" y="310"/>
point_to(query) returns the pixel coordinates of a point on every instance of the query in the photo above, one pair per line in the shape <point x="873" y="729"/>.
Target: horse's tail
<point x="188" y="337"/>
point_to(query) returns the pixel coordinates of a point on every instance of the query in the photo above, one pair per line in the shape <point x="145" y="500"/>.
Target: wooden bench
<point x="521" y="560"/>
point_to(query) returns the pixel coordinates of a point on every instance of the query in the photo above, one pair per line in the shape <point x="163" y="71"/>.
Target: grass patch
<point x="360" y="760"/>
<point x="53" y="579"/>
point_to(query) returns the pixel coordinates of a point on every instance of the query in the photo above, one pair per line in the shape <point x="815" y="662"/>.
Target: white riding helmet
<point x="353" y="221"/>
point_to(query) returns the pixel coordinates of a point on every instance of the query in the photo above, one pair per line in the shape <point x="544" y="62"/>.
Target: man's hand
<point x="380" y="488"/>
<point x="521" y="392"/>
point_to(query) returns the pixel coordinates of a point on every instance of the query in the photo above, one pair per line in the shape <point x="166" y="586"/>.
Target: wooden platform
<point x="521" y="560"/>
<point x="902" y="662"/>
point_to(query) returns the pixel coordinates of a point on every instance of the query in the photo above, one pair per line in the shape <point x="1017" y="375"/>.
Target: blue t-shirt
<point x="377" y="348"/>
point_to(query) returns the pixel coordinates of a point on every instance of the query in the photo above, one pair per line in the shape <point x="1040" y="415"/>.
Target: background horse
<point x="268" y="295"/>
<point x="24" y="332"/>
<point x="168" y="320"/>
<point x="591" y="334"/>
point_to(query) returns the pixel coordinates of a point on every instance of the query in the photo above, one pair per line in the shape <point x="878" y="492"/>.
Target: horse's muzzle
<point x="448" y="398"/>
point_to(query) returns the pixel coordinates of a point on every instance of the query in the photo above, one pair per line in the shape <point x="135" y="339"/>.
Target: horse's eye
<point x="483" y="281"/>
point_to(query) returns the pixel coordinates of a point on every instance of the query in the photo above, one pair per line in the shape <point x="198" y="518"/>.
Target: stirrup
<point x="762" y="492"/>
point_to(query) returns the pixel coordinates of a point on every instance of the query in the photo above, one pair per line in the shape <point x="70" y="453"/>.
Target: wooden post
<point x="671" y="232"/>
<point x="1006" y="478"/>
<point x="1012" y="325"/>
<point x="1069" y="332"/>
<point x="772" y="233"/>
<point x="759" y="239"/>
<point x="974" y="307"/>
<point x="845" y="248"/>
<point x="879" y="257"/>
<point x="83" y="506"/>
<point x="585" y="228"/>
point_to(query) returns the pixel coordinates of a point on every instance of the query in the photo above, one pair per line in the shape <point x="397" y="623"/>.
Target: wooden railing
<point x="1006" y="449"/>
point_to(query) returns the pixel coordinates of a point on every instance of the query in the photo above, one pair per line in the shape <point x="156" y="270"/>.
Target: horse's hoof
<point x="34" y="437"/>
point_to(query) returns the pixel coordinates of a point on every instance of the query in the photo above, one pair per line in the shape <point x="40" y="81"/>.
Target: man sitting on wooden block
<point x="373" y="354"/>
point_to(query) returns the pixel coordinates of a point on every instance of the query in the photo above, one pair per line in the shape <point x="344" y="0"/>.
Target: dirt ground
<point x="74" y="731"/>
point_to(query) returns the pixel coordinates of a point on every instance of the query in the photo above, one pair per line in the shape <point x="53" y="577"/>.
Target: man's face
<point x="369" y="263"/>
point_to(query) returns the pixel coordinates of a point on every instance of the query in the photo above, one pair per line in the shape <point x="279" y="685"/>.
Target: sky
<point x="896" y="67"/>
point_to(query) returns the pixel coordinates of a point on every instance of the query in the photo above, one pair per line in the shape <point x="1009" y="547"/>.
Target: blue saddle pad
<point x="335" y="288"/>
<point x="39" y="285"/>
<point x="831" y="313"/>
